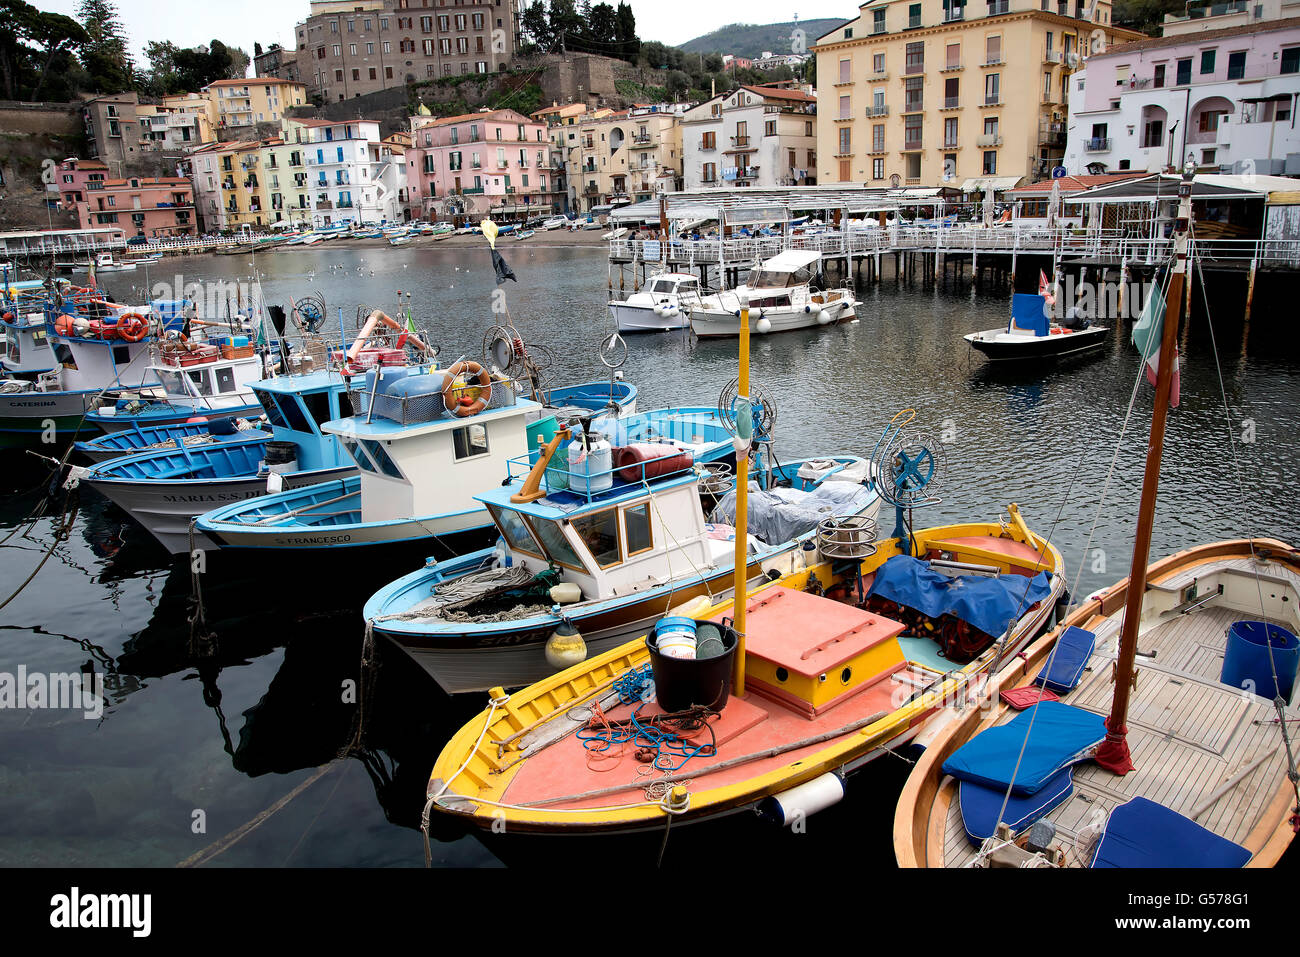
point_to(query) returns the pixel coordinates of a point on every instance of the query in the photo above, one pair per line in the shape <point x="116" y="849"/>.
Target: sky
<point x="241" y="23"/>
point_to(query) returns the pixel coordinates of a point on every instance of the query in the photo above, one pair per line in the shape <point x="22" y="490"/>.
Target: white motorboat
<point x="662" y="305"/>
<point x="781" y="298"/>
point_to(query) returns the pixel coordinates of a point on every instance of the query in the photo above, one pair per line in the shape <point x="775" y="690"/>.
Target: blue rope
<point x="671" y="750"/>
<point x="632" y="685"/>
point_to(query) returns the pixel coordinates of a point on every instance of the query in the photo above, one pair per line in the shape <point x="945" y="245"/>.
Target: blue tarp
<point x="1141" y="833"/>
<point x="990" y="604"/>
<point x="1028" y="314"/>
<point x="980" y="805"/>
<point x="1061" y="735"/>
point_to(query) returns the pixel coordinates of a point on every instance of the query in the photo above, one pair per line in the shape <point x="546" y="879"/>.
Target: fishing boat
<point x="780" y="296"/>
<point x="157" y="437"/>
<point x="1031" y="334"/>
<point x="422" y="454"/>
<point x="165" y="488"/>
<point x="663" y="304"/>
<point x="208" y="378"/>
<point x="27" y="351"/>
<point x="104" y="262"/>
<point x="627" y="555"/>
<point x="1153" y="727"/>
<point x="524" y="234"/>
<point x="768" y="702"/>
<point x="102" y="351"/>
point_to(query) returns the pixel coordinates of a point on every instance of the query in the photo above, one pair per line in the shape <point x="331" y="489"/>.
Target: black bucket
<point x="278" y="453"/>
<point x="682" y="683"/>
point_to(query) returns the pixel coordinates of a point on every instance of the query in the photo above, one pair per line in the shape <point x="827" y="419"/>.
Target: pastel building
<point x="1226" y="98"/>
<point x="152" y="207"/>
<point x="751" y="136"/>
<point x="77" y="177"/>
<point x="352" y="174"/>
<point x="623" y="157"/>
<point x="257" y="100"/>
<point x="494" y="162"/>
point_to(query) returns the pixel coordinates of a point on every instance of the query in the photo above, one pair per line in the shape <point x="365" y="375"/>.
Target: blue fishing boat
<point x="606" y="565"/>
<point x="165" y="489"/>
<point x="158" y="437"/>
<point x="422" y="454"/>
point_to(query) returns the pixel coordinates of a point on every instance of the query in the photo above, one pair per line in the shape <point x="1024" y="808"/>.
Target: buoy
<point x="658" y="309"/>
<point x="764" y="325"/>
<point x="800" y="803"/>
<point x="565" y="648"/>
<point x="823" y="317"/>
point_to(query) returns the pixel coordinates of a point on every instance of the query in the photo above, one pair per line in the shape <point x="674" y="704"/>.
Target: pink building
<point x="78" y="175"/>
<point x="154" y="207"/>
<point x="489" y="163"/>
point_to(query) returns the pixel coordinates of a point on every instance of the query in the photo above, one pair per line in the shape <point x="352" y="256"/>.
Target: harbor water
<point x="219" y="744"/>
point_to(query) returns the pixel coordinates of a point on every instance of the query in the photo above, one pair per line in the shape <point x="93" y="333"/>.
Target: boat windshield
<point x="557" y="546"/>
<point x="515" y="530"/>
<point x="780" y="278"/>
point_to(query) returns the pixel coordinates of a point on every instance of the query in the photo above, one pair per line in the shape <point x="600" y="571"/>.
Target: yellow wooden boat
<point x="823" y="687"/>
<point x="1204" y="749"/>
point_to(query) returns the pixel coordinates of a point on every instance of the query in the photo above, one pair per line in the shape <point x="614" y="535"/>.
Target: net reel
<point x="310" y="312"/>
<point x="761" y="410"/>
<point x="906" y="466"/>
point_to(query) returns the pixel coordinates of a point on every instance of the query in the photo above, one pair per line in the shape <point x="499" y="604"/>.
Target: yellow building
<point x="940" y="92"/>
<point x="253" y="100"/>
<point x="283" y="180"/>
<point x="620" y="157"/>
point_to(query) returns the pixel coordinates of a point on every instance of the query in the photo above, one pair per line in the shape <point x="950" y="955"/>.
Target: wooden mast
<point x="744" y="433"/>
<point x="1114" y="751"/>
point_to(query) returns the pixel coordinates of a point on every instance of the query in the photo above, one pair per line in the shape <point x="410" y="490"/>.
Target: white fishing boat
<point x="781" y="298"/>
<point x="104" y="262"/>
<point x="663" y="304"/>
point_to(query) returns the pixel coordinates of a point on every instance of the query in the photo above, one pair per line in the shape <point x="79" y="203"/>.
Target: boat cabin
<point x="298" y="406"/>
<point x="784" y="279"/>
<point x="673" y="283"/>
<point x="431" y="467"/>
<point x="27" y="349"/>
<point x="93" y="363"/>
<point x="204" y="378"/>
<point x="632" y="537"/>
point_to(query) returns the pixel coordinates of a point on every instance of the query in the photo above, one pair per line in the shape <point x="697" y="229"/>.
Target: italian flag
<point x="1147" y="334"/>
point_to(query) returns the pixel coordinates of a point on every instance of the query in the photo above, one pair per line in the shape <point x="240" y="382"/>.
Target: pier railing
<point x="1089" y="245"/>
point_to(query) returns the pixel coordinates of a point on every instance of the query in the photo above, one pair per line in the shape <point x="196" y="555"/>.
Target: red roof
<point x="1075" y="184"/>
<point x="777" y="93"/>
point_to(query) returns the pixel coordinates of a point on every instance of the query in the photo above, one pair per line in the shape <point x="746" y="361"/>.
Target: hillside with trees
<point x="751" y="40"/>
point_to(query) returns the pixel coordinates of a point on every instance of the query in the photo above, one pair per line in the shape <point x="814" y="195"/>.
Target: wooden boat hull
<point x="170" y="413"/>
<point x="473" y="781"/>
<point x="129" y="441"/>
<point x="922" y="819"/>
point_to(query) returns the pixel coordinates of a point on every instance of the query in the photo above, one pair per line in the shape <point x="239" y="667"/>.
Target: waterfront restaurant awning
<point x="1163" y="187"/>
<point x="982" y="184"/>
<point x="756" y="203"/>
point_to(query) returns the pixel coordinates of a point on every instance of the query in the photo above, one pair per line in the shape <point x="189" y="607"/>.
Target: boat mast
<point x="744" y="432"/>
<point x="1114" y="751"/>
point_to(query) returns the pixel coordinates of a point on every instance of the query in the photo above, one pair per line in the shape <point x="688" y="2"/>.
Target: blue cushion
<point x="1142" y="833"/>
<point x="1067" y="660"/>
<point x="980" y="805"/>
<point x="1061" y="736"/>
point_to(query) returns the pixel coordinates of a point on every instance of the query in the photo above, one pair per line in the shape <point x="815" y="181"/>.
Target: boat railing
<point x="415" y="409"/>
<point x="591" y="486"/>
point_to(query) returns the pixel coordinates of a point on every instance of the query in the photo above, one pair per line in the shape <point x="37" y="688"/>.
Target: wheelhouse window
<point x="599" y="532"/>
<point x="318" y="406"/>
<point x="171" y="383"/>
<point x="267" y="402"/>
<point x="515" y="530"/>
<point x="381" y="458"/>
<point x="225" y="380"/>
<point x="202" y="382"/>
<point x="293" y="414"/>
<point x="636" y="529"/>
<point x="469" y="441"/>
<point x="557" y="546"/>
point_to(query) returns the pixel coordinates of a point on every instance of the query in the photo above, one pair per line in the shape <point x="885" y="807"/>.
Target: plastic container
<point x="681" y="683"/>
<point x="628" y="459"/>
<point x="675" y="637"/>
<point x="171" y="312"/>
<point x="590" y="465"/>
<point x="1246" y="661"/>
<point x="543" y="429"/>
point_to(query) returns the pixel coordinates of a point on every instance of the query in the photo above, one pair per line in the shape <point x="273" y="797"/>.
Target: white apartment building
<point x="351" y="174"/>
<point x="751" y="136"/>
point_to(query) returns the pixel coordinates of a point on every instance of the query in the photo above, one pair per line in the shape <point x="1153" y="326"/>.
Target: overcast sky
<point x="243" y="22"/>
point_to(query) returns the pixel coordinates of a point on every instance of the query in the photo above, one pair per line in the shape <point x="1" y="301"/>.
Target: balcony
<point x="994" y="100"/>
<point x="641" y="137"/>
<point x="1053" y="56"/>
<point x="591" y="189"/>
<point x="951" y="103"/>
<point x="913" y="69"/>
<point x="951" y="145"/>
<point x="470" y="191"/>
<point x="877" y="77"/>
<point x="843" y="118"/>
<point x="882" y="110"/>
<point x="740" y="141"/>
<point x="1052" y="134"/>
<point x="988" y="140"/>
<point x="912" y="146"/>
<point x="999" y="7"/>
<point x="994" y="60"/>
<point x="950" y="68"/>
<point x="1098" y="144"/>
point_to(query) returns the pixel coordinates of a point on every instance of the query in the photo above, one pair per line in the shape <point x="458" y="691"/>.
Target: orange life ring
<point x="131" y="326"/>
<point x="465" y="406"/>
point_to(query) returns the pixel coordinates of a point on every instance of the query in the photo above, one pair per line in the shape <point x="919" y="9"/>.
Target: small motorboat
<point x="781" y="297"/>
<point x="104" y="262"/>
<point x="1031" y="334"/>
<point x="663" y="304"/>
<point x="524" y="234"/>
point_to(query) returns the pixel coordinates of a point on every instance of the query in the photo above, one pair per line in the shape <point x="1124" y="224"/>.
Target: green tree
<point x="536" y="27"/>
<point x="625" y="32"/>
<point x="105" y="53"/>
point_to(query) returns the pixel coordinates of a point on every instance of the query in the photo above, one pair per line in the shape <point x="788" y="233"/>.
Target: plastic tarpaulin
<point x="990" y="604"/>
<point x="781" y="514"/>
